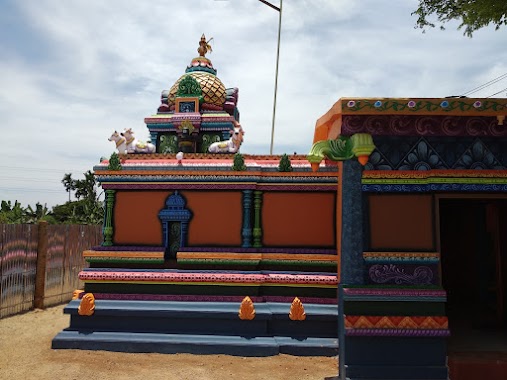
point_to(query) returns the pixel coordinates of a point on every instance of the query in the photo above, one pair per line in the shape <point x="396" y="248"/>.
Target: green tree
<point x="86" y="188"/>
<point x="11" y="214"/>
<point x="69" y="183"/>
<point x="473" y="14"/>
<point x="88" y="209"/>
<point x="40" y="212"/>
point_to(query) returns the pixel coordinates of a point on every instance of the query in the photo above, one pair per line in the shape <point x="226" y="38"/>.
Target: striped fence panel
<point x="64" y="260"/>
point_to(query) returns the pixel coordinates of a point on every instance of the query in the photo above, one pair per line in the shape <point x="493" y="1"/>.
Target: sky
<point x="72" y="72"/>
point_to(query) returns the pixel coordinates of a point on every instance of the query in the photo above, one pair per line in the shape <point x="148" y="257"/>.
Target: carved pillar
<point x="108" y="218"/>
<point x="257" y="230"/>
<point x="246" y="232"/>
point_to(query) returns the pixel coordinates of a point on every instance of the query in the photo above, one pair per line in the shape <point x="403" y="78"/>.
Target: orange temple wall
<point x="401" y="222"/>
<point x="288" y="218"/>
<point x="299" y="219"/>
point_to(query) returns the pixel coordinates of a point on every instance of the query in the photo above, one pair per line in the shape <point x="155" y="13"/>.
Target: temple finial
<point x="204" y="46"/>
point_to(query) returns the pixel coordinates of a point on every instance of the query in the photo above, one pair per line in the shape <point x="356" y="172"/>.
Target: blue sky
<point x="72" y="72"/>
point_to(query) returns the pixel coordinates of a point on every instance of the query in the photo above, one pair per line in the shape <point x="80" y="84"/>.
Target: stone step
<point x="219" y="318"/>
<point x="194" y="344"/>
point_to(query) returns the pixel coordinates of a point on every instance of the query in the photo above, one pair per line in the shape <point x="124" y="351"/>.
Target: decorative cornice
<point x="219" y="186"/>
<point x="424" y="106"/>
<point x="422" y="125"/>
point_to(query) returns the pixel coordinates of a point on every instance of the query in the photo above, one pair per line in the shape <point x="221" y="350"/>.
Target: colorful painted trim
<point x="265" y="251"/>
<point x="405" y="257"/>
<point x="210" y="278"/>
<point x="122" y="256"/>
<point x="398" y="332"/>
<point x="424" y="106"/>
<point x="434" y="180"/>
<point x="462" y="188"/>
<point x="424" y="176"/>
<point x="394" y="295"/>
<point x="396" y="322"/>
<point x="210" y="298"/>
<point x="275" y="257"/>
<point x="215" y="186"/>
<point x="422" y="125"/>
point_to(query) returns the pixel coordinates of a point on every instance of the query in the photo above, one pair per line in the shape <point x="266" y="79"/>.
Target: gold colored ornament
<point x="204" y="46"/>
<point x="297" y="310"/>
<point x="76" y="293"/>
<point x="246" y="309"/>
<point x="87" y="305"/>
<point x="213" y="90"/>
<point x="187" y="124"/>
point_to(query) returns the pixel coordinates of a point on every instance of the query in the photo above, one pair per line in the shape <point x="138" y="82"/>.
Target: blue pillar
<point x="352" y="264"/>
<point x="153" y="137"/>
<point x="246" y="232"/>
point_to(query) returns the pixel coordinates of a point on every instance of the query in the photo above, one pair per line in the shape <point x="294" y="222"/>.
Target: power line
<point x="496" y="93"/>
<point x="36" y="169"/>
<point x="484" y="85"/>
<point x="31" y="190"/>
<point x="30" y="179"/>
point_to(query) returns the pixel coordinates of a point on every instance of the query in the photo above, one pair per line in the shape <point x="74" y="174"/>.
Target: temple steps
<point x="200" y="327"/>
<point x="194" y="344"/>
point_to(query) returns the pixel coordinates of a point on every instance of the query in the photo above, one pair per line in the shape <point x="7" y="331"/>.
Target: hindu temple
<point x="208" y="252"/>
<point x="385" y="244"/>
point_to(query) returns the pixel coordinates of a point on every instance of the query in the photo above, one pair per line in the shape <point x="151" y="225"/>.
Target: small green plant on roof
<point x="285" y="165"/>
<point x="114" y="162"/>
<point x="239" y="163"/>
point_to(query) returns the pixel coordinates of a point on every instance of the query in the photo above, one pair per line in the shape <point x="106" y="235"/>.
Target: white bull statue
<point x="229" y="146"/>
<point x="136" y="146"/>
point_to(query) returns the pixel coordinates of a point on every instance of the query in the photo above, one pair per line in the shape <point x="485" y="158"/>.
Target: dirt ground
<point x="25" y="353"/>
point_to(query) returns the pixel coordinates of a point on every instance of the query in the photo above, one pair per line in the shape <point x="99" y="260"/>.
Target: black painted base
<point x="200" y="328"/>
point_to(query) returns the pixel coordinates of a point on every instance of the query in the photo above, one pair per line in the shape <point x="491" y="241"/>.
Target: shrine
<point x="385" y="244"/>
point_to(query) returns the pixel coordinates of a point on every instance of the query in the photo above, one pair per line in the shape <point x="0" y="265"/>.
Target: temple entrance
<point x="473" y="246"/>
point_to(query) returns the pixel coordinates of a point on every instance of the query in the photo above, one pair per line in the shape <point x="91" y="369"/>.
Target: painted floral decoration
<point x="422" y="158"/>
<point x="351" y="103"/>
<point x="478" y="157"/>
<point x="478" y="104"/>
<point x="411" y="104"/>
<point x="377" y="104"/>
<point x="444" y="104"/>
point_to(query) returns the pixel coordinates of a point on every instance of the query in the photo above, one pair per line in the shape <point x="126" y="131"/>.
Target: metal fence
<point x="20" y="248"/>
